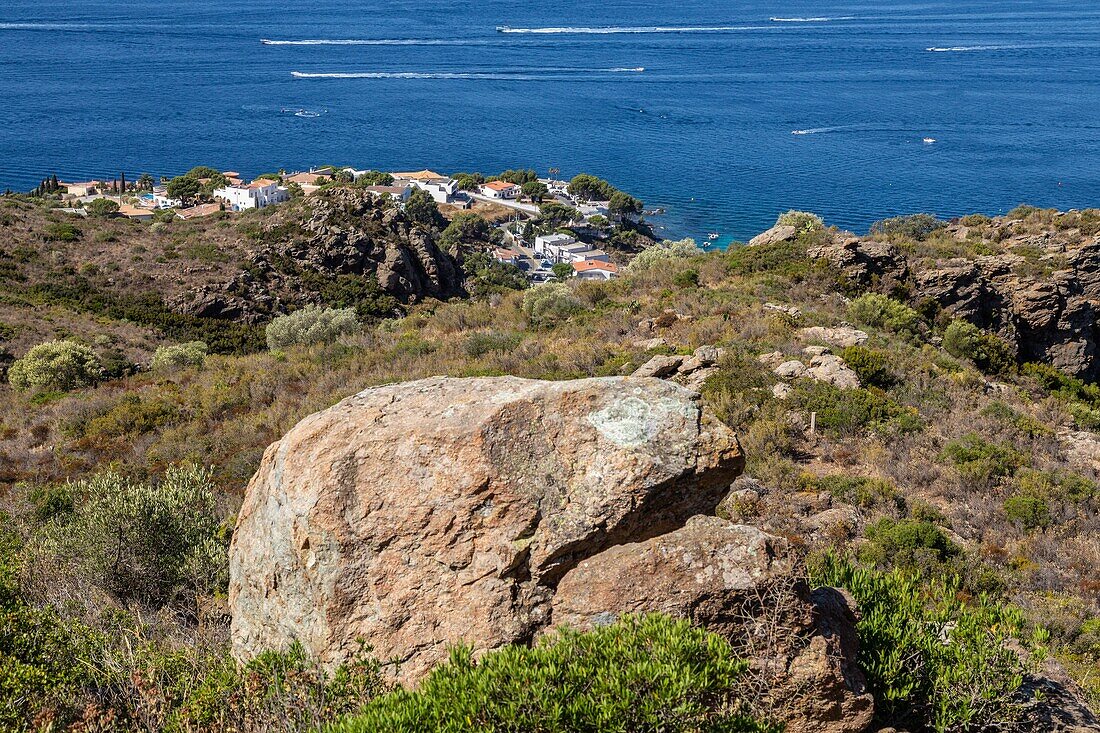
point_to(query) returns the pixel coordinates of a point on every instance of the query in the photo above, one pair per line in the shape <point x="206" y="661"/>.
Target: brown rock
<point x="418" y="515"/>
<point x="775" y="235"/>
<point x="660" y="366"/>
<point x="744" y="584"/>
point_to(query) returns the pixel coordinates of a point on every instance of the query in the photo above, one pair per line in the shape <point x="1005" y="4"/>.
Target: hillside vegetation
<point x="957" y="484"/>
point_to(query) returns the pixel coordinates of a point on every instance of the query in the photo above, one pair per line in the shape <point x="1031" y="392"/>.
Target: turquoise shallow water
<point x="691" y="105"/>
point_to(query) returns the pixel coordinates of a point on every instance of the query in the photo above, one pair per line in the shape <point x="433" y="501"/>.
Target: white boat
<point x="929" y="140"/>
<point x="713" y="236"/>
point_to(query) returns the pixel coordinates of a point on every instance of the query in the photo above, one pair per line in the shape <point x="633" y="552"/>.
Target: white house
<point x="501" y="190"/>
<point x="507" y="256"/>
<point x="581" y="253"/>
<point x="397" y="193"/>
<point x="549" y="245"/>
<point x="441" y="190"/>
<point x="161" y="199"/>
<point x="256" y="195"/>
<point x="594" y="270"/>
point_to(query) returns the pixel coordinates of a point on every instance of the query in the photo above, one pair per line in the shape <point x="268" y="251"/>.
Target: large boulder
<point x="418" y="515"/>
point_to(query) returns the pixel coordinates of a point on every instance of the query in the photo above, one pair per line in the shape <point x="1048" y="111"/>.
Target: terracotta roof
<point x="261" y="183"/>
<point x="128" y="210"/>
<point x="424" y="175"/>
<point x="231" y="174"/>
<point x="586" y="265"/>
<point x="505" y="254"/>
<point x="500" y="185"/>
<point x="386" y="189"/>
<point x="200" y="210"/>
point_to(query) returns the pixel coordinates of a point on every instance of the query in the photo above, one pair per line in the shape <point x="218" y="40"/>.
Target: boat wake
<point x="968" y="49"/>
<point x="372" y="42"/>
<point x="614" y="30"/>
<point x="820" y="130"/>
<point x="811" y="20"/>
<point x="511" y="74"/>
<point x="51" y="26"/>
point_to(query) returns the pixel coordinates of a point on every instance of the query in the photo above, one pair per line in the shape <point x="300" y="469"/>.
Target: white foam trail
<point x="811" y="20"/>
<point x="516" y="74"/>
<point x="968" y="49"/>
<point x="369" y="42"/>
<point x="49" y="26"/>
<point x="820" y="130"/>
<point x="613" y="30"/>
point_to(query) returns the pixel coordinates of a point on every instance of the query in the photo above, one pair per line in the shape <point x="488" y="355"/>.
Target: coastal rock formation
<point x="775" y="235"/>
<point x="343" y="238"/>
<point x="1046" y="305"/>
<point x="418" y="515"/>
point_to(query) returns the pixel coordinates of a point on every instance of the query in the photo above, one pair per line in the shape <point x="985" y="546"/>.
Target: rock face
<point x="418" y="515"/>
<point x="775" y="235"/>
<point x="1048" y="308"/>
<point x="336" y="234"/>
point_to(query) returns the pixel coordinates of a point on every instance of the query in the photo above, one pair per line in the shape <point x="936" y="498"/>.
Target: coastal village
<point x="542" y="251"/>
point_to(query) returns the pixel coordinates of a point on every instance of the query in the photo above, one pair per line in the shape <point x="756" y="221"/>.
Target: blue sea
<point x="723" y="113"/>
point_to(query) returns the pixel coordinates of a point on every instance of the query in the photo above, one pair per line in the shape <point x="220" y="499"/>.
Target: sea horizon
<point x="722" y="117"/>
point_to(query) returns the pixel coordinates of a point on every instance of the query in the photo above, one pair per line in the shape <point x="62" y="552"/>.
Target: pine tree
<point x="122" y="185"/>
<point x="54" y="184"/>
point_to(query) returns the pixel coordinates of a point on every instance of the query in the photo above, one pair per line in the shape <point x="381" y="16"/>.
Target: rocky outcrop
<point x="691" y="371"/>
<point x="415" y="516"/>
<point x="776" y="235"/>
<point x="418" y="515"/>
<point x="1047" y="306"/>
<point x="327" y="239"/>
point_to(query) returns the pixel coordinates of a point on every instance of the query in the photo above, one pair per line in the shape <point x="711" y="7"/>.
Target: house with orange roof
<point x="310" y="178"/>
<point x="82" y="188"/>
<point x="594" y="270"/>
<point x="507" y="256"/>
<point x="501" y="190"/>
<point x="424" y="176"/>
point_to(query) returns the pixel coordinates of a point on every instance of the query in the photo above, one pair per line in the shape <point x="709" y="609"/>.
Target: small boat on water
<point x="712" y="236"/>
<point x="929" y="140"/>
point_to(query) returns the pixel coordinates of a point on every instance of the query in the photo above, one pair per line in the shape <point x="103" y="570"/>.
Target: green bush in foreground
<point x="140" y="541"/>
<point x="56" y="365"/>
<point x="648" y="673"/>
<point x="933" y="661"/>
<point x="311" y="325"/>
<point x="176" y="356"/>
<point x="662" y="253"/>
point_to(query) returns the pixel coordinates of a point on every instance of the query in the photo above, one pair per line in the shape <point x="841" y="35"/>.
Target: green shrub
<point x="311" y="325"/>
<point x="915" y="226"/>
<point x="144" y="542"/>
<point x="479" y="344"/>
<point x="639" y="674"/>
<point x="1081" y="399"/>
<point x="176" y="356"/>
<point x="933" y="662"/>
<point x="783" y="259"/>
<point x="285" y="691"/>
<point x="804" y="222"/>
<point x="485" y="276"/>
<point x="102" y="208"/>
<point x="988" y="352"/>
<point x="861" y="491"/>
<point x="1028" y="510"/>
<point x="62" y="232"/>
<point x="657" y="254"/>
<point x="878" y="311"/>
<point x="980" y="460"/>
<point x="1026" y="424"/>
<point x="873" y="367"/>
<point x="56" y="365"/>
<point x="686" y="279"/>
<point x="850" y="411"/>
<point x="909" y="543"/>
<point x="549" y="304"/>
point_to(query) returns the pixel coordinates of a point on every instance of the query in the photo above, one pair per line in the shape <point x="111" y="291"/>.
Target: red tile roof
<point x="500" y="185"/>
<point x="586" y="265"/>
